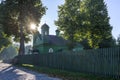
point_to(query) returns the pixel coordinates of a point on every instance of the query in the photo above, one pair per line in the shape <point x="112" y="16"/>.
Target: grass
<point x="65" y="75"/>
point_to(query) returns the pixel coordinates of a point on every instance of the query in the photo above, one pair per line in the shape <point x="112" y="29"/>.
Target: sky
<point x="114" y="14"/>
<point x="51" y="14"/>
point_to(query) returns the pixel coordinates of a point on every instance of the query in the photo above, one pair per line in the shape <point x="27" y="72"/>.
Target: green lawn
<point x="65" y="75"/>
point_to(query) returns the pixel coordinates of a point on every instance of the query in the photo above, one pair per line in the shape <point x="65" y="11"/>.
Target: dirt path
<point x="9" y="72"/>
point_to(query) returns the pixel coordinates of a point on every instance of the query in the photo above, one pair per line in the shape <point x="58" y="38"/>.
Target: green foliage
<point x="118" y="41"/>
<point x="4" y="41"/>
<point x="17" y="16"/>
<point x="10" y="11"/>
<point x="68" y="14"/>
<point x="109" y="42"/>
<point x="85" y="19"/>
<point x="85" y="43"/>
<point x="96" y="21"/>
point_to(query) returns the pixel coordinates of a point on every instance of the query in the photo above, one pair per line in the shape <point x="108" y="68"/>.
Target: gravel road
<point x="9" y="72"/>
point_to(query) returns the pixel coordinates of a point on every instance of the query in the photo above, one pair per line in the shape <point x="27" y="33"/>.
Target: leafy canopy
<point x="17" y="15"/>
<point x="68" y="20"/>
<point x="4" y="40"/>
<point x="84" y="19"/>
<point x="32" y="11"/>
<point x="96" y="21"/>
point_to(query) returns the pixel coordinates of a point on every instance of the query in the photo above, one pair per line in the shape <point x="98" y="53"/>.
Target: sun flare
<point x="33" y="26"/>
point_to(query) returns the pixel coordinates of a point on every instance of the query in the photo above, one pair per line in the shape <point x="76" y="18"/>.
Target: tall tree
<point x="95" y="21"/>
<point x="4" y="40"/>
<point x="69" y="18"/>
<point x="18" y="14"/>
<point x="84" y="20"/>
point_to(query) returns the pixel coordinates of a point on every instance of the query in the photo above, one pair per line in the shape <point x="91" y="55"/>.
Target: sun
<point x="33" y="26"/>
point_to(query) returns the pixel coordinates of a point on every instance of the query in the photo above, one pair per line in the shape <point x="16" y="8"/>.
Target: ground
<point x="9" y="72"/>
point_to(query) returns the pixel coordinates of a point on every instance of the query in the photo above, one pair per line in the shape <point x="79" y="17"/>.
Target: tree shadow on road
<point x="9" y="73"/>
<point x="15" y="73"/>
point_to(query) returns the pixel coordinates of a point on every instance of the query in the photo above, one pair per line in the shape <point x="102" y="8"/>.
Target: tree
<point x="18" y="14"/>
<point x="118" y="41"/>
<point x="106" y="43"/>
<point x="95" y="21"/>
<point x="4" y="40"/>
<point x="84" y="20"/>
<point x="68" y="19"/>
<point x="85" y="43"/>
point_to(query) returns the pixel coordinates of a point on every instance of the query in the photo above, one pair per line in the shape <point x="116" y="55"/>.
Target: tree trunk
<point x="22" y="39"/>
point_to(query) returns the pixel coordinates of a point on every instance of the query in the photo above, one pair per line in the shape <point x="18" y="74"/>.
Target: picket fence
<point x="104" y="62"/>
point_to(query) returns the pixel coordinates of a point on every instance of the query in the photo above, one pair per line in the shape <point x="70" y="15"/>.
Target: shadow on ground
<point x="9" y="72"/>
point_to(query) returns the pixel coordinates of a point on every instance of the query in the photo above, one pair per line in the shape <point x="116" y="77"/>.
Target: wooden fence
<point x="100" y="61"/>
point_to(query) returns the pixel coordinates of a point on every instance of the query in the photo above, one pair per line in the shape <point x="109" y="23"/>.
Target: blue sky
<point x="51" y="14"/>
<point x="114" y="13"/>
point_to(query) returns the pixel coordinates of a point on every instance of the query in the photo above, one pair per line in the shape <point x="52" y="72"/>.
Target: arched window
<point x="50" y="50"/>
